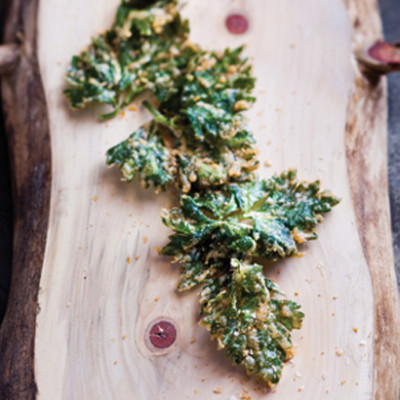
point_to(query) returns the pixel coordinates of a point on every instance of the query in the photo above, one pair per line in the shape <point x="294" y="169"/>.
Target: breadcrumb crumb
<point x="339" y="351"/>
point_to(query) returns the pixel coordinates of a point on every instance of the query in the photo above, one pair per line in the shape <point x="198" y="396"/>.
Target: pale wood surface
<point x="95" y="306"/>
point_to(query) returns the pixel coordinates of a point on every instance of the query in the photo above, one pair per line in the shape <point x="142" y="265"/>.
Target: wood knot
<point x="161" y="335"/>
<point x="237" y="24"/>
<point x="378" y="59"/>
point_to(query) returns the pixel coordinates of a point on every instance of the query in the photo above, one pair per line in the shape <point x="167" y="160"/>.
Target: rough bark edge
<point x="9" y="54"/>
<point x="366" y="140"/>
<point x="27" y="127"/>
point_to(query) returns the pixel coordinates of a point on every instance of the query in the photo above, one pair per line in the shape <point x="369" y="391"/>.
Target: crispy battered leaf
<point x="94" y="75"/>
<point x="140" y="18"/>
<point x="222" y="79"/>
<point x="249" y="318"/>
<point x="266" y="218"/>
<point x="214" y="90"/>
<point x="159" y="162"/>
<point x="143" y="51"/>
<point x="144" y="153"/>
<point x="210" y="122"/>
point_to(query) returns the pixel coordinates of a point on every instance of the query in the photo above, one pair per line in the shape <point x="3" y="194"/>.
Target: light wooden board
<point x="95" y="305"/>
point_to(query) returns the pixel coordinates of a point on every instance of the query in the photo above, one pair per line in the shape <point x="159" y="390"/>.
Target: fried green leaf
<point x="143" y="51"/>
<point x="264" y="218"/>
<point x="159" y="158"/>
<point x="250" y="319"/>
<point x="145" y="154"/>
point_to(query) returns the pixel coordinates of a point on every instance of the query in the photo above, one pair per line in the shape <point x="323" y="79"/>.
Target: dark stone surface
<point x="390" y="10"/>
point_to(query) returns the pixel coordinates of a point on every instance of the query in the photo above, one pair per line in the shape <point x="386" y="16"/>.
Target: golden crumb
<point x="342" y="382"/>
<point x="232" y="69"/>
<point x="144" y="239"/>
<point x="124" y="337"/>
<point x="132" y="108"/>
<point x="115" y="362"/>
<point x="339" y="351"/>
<point x="218" y="390"/>
<point x="128" y="260"/>
<point x="203" y="379"/>
<point x="267" y="164"/>
<point x="95" y="198"/>
<point x="299" y="389"/>
<point x="157" y="249"/>
<point x="296" y="293"/>
<point x="137" y="258"/>
<point x="156" y="299"/>
<point x="122" y="115"/>
<point x="299" y="254"/>
<point x="241" y="105"/>
<point x="355" y="330"/>
<point x="298" y="236"/>
<point x="195" y="391"/>
<point x="193" y="341"/>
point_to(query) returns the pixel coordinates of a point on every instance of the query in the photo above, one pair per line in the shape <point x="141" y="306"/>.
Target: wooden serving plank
<point x="102" y="283"/>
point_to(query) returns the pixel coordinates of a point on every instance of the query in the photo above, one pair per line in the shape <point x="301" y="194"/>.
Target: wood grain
<point x="26" y="122"/>
<point x="366" y="149"/>
<point x="103" y="284"/>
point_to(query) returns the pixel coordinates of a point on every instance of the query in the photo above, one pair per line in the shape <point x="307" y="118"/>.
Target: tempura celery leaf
<point x="144" y="154"/>
<point x="94" y="75"/>
<point x="250" y="319"/>
<point x="221" y="79"/>
<point x="141" y="52"/>
<point x="267" y="218"/>
<point x="158" y="161"/>
<point x="145" y="19"/>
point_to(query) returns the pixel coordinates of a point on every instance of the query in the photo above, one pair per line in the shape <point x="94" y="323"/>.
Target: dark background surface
<point x="6" y="213"/>
<point x="390" y="10"/>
